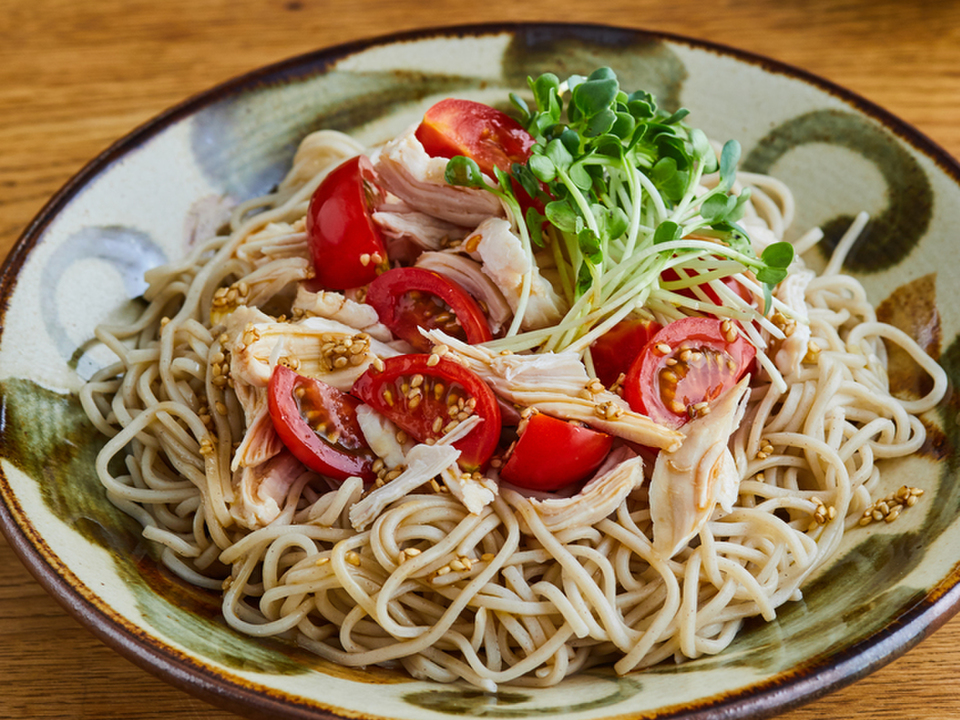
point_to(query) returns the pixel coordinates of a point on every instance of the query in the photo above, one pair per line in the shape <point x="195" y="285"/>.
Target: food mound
<point x="504" y="398"/>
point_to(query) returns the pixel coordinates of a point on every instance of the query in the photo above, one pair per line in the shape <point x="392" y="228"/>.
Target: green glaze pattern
<point x="517" y="704"/>
<point x="890" y="236"/>
<point x="236" y="142"/>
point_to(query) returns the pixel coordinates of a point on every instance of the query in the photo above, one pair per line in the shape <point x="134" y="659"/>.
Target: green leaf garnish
<point x="622" y="187"/>
<point x="464" y="172"/>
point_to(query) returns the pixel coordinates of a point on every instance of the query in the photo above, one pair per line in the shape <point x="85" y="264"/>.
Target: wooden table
<point x="76" y="75"/>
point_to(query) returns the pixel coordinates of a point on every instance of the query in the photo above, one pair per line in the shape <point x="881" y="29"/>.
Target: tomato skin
<point x="664" y="392"/>
<point x="382" y="391"/>
<point x="484" y="134"/>
<point x="341" y="232"/>
<point x="349" y="455"/>
<point x="613" y="352"/>
<point x="398" y="296"/>
<point x="552" y="453"/>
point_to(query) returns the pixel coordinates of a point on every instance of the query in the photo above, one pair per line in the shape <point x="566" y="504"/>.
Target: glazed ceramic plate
<point x="82" y="260"/>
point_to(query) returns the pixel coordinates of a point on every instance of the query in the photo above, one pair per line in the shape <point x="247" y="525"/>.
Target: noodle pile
<point x="498" y="596"/>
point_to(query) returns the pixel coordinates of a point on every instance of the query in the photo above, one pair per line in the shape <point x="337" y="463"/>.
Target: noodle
<point x="503" y="594"/>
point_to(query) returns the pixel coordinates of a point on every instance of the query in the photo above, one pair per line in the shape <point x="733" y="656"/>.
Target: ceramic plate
<point x="82" y="261"/>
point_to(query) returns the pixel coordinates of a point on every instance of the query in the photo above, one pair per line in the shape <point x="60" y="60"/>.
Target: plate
<point x="143" y="201"/>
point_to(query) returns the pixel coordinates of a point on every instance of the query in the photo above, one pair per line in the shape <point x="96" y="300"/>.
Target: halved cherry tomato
<point x="690" y="361"/>
<point x="613" y="352"/>
<point x="318" y="424"/>
<point x="345" y="245"/>
<point x="484" y="134"/>
<point x="411" y="297"/>
<point x="552" y="453"/>
<point x="671" y="275"/>
<point x="418" y="397"/>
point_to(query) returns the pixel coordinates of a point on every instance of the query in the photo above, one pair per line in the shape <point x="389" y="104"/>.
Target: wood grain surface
<point x="75" y="75"/>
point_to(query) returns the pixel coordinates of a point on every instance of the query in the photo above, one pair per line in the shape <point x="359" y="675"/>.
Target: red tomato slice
<point x="420" y="399"/>
<point x="690" y="361"/>
<point x="409" y="298"/>
<point x="614" y="352"/>
<point x="346" y="246"/>
<point x="552" y="453"/>
<point x="462" y="127"/>
<point x="318" y="424"/>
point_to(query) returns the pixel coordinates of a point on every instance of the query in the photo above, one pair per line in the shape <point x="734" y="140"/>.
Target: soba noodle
<point x="499" y="595"/>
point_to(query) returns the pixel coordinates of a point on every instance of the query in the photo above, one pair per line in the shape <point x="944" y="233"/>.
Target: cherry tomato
<point x="318" y="424"/>
<point x="346" y="246"/>
<point x="462" y="127"/>
<point x="552" y="453"/>
<point x="418" y="398"/>
<point x="614" y="352"/>
<point x="409" y="298"/>
<point x="690" y="361"/>
<point x="671" y="275"/>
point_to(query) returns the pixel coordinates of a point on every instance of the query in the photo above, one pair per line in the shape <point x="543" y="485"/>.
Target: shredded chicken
<point x="315" y="347"/>
<point x="423" y="463"/>
<point x="474" y="492"/>
<point x="598" y="498"/>
<point x="260" y="441"/>
<point x="557" y="384"/>
<point x="381" y="436"/>
<point x="504" y="261"/>
<point x="262" y="490"/>
<point x="334" y="306"/>
<point x="688" y="483"/>
<point x="399" y="221"/>
<point x="406" y="170"/>
<point x="792" y="293"/>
